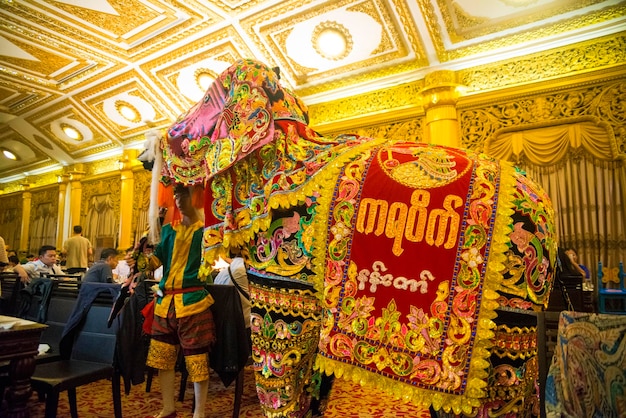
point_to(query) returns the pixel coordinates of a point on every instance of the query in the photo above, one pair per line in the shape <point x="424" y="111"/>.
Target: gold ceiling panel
<point x="116" y="68"/>
<point x="6" y="94"/>
<point x="36" y="61"/>
<point x="464" y="34"/>
<point x="21" y="97"/>
<point x="462" y="25"/>
<point x="289" y="33"/>
<point x="29" y="159"/>
<point x="130" y="93"/>
<point x="210" y="55"/>
<point x="118" y="19"/>
<point x="67" y="114"/>
<point x="125" y="28"/>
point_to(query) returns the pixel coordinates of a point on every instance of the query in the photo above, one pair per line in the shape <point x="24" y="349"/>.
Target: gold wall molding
<point x="566" y="61"/>
<point x="558" y="68"/>
<point x="603" y="101"/>
<point x="385" y="105"/>
<point x="410" y="130"/>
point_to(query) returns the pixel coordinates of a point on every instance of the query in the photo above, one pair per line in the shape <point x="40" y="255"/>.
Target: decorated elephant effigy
<point x="415" y="268"/>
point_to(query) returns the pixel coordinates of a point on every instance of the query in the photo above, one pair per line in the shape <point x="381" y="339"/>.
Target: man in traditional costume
<point x="182" y="317"/>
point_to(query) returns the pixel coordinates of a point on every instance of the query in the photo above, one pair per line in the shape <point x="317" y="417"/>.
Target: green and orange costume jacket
<point x="180" y="254"/>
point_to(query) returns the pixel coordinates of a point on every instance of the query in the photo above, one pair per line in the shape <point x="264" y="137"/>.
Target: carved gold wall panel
<point x="141" y="202"/>
<point x="100" y="211"/>
<point x="600" y="53"/>
<point x="374" y="103"/>
<point x="605" y="101"/>
<point x="11" y="219"/>
<point x="43" y="217"/>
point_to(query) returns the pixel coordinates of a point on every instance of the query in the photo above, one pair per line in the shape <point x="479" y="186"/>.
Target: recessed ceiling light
<point x="332" y="40"/>
<point x="71" y="132"/>
<point x="204" y="78"/>
<point x="8" y="154"/>
<point x="128" y="111"/>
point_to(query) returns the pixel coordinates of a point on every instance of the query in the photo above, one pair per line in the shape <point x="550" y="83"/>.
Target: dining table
<point x="19" y="345"/>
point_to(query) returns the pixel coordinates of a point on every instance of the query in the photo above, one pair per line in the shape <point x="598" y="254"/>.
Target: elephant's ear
<point x="255" y="100"/>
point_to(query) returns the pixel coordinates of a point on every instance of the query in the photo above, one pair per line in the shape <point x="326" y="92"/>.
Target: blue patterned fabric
<point x="587" y="377"/>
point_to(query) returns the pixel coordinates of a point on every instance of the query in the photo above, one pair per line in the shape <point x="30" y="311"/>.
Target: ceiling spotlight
<point x="71" y="132"/>
<point x="8" y="154"/>
<point x="204" y="78"/>
<point x="128" y="111"/>
<point x="332" y="40"/>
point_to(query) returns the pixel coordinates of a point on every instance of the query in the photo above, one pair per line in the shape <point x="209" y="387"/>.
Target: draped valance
<point x="547" y="145"/>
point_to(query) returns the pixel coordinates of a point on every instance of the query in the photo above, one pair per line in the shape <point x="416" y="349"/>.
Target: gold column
<point x="439" y="98"/>
<point x="63" y="180"/>
<point x="76" y="191"/>
<point x="27" y="198"/>
<point x="129" y="159"/>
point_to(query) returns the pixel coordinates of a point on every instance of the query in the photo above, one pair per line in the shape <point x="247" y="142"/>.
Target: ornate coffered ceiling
<point x="83" y="80"/>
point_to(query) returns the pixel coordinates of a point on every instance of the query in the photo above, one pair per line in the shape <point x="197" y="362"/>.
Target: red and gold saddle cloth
<point x="410" y="278"/>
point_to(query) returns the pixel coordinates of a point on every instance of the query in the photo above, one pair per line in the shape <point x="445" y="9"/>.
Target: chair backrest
<point x="10" y="284"/>
<point x="62" y="300"/>
<point x="611" y="278"/>
<point x="567" y="292"/>
<point x="95" y="341"/>
<point x="63" y="277"/>
<point x="34" y="300"/>
<point x="611" y="289"/>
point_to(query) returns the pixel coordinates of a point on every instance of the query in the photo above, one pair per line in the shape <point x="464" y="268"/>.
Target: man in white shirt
<point x="239" y="274"/>
<point x="124" y="269"/>
<point x="46" y="263"/>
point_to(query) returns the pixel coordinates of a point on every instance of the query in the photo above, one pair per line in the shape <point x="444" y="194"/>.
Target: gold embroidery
<point x="161" y="355"/>
<point x="375" y="278"/>
<point x="198" y="367"/>
<point x="415" y="223"/>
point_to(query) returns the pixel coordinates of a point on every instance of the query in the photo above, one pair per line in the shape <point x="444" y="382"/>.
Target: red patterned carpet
<point x="347" y="400"/>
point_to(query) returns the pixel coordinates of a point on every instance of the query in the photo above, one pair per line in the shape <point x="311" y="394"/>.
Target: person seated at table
<point x="45" y="264"/>
<point x="125" y="268"/>
<point x="580" y="268"/>
<point x="13" y="261"/>
<point x="102" y="270"/>
<point x="29" y="257"/>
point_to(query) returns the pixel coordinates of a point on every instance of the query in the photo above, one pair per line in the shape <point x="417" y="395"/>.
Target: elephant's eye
<point x="207" y="98"/>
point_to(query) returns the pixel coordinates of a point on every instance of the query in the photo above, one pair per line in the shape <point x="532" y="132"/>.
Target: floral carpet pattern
<point x="347" y="400"/>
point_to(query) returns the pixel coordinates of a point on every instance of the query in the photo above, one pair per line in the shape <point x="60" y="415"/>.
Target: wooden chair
<point x="612" y="290"/>
<point x="91" y="360"/>
<point x="9" y="300"/>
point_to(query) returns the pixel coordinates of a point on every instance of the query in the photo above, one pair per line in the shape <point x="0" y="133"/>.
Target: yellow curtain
<point x="43" y="230"/>
<point x="547" y="146"/>
<point x="579" y="166"/>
